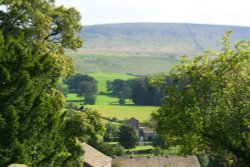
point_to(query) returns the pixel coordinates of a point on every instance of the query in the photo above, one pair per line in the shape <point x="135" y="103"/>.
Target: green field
<point x="100" y="100"/>
<point x="146" y="147"/>
<point x="103" y="77"/>
<point x="122" y="63"/>
<point x="142" y="113"/>
<point x="108" y="106"/>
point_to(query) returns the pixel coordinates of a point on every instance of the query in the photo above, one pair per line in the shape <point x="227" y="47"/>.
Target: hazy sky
<point x="228" y="12"/>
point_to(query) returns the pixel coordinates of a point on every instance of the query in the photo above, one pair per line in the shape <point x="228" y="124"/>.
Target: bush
<point x="210" y="161"/>
<point x="111" y="150"/>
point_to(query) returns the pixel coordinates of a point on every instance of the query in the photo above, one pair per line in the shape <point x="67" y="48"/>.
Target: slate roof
<point x="94" y="157"/>
<point x="190" y="161"/>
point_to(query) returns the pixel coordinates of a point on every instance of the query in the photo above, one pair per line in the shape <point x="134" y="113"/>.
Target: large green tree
<point x="84" y="86"/>
<point x="127" y="136"/>
<point x="33" y="37"/>
<point x="143" y="93"/>
<point x="207" y="107"/>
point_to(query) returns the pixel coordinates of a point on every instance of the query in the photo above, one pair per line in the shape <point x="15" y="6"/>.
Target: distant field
<point x="108" y="106"/>
<point x="142" y="113"/>
<point x="103" y="77"/>
<point x="125" y="63"/>
<point x="100" y="100"/>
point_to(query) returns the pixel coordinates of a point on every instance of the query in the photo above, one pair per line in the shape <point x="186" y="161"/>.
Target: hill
<point x="170" y="38"/>
<point x="125" y="63"/>
<point x="147" y="48"/>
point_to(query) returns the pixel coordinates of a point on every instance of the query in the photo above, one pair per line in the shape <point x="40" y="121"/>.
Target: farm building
<point x="190" y="161"/>
<point x="135" y="122"/>
<point x="94" y="158"/>
<point x="144" y="133"/>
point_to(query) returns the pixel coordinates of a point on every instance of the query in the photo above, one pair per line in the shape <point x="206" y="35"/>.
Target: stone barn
<point x="94" y="158"/>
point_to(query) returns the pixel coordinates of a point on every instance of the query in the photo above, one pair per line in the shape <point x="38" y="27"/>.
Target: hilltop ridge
<point x="170" y="38"/>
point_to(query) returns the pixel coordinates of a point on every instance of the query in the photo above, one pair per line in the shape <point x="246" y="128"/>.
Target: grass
<point x="100" y="100"/>
<point x="108" y="106"/>
<point x="124" y="63"/>
<point x="138" y="148"/>
<point x="103" y="77"/>
<point x="142" y="113"/>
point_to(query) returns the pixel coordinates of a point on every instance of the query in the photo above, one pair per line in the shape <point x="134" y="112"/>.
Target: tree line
<point x="139" y="90"/>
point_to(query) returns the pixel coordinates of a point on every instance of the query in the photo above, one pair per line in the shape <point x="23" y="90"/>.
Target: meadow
<point x="122" y="63"/>
<point x="103" y="77"/>
<point x="108" y="106"/>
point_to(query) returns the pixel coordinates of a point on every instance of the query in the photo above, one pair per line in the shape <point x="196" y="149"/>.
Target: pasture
<point x="108" y="106"/>
<point x="123" y="63"/>
<point x="103" y="77"/>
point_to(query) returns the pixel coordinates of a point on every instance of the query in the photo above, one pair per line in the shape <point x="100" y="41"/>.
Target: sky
<point x="222" y="12"/>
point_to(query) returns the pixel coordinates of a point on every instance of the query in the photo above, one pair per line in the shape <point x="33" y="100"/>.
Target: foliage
<point x="111" y="133"/>
<point x="138" y="89"/>
<point x="111" y="150"/>
<point x="33" y="39"/>
<point x="85" y="125"/>
<point x="84" y="86"/>
<point x="63" y="88"/>
<point x="143" y="93"/>
<point x="158" y="151"/>
<point x="210" y="161"/>
<point x="119" y="88"/>
<point x="159" y="141"/>
<point x="127" y="136"/>
<point x="207" y="104"/>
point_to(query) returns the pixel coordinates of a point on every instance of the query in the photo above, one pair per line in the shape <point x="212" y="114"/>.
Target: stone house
<point x="135" y="122"/>
<point x="94" y="158"/>
<point x="144" y="133"/>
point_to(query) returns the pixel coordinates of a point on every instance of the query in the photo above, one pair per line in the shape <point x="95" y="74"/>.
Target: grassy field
<point x="100" y="100"/>
<point x="137" y="148"/>
<point x="123" y="63"/>
<point x="142" y="113"/>
<point x="108" y="106"/>
<point x="103" y="77"/>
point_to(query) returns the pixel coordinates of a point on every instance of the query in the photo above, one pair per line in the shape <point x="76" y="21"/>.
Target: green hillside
<point x="125" y="63"/>
<point x="170" y="38"/>
<point x="146" y="48"/>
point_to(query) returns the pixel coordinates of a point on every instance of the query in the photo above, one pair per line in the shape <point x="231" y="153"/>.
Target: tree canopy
<point x="127" y="136"/>
<point x="84" y="86"/>
<point x="33" y="38"/>
<point x="207" y="107"/>
<point x="138" y="89"/>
